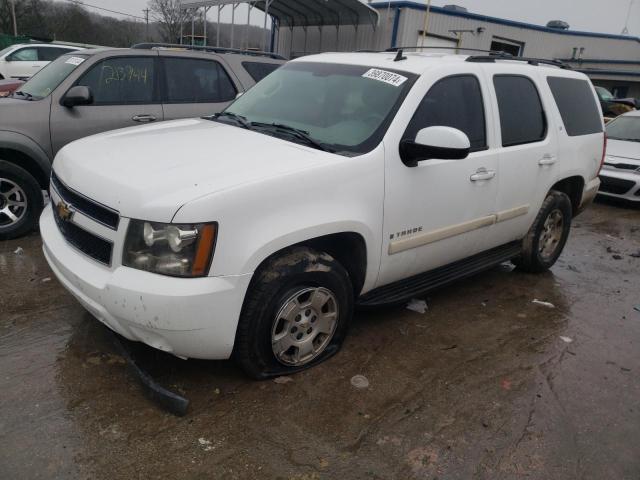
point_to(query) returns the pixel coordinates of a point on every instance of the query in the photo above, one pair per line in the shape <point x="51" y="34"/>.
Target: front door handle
<point x="547" y="159"/>
<point x="482" y="174"/>
<point x="143" y="118"/>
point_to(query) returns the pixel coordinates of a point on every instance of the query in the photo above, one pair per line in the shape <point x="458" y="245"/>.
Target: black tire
<point x="28" y="220"/>
<point x="532" y="259"/>
<point x="273" y="285"/>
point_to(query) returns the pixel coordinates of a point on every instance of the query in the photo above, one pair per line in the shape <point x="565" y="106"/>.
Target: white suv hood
<point x="150" y="172"/>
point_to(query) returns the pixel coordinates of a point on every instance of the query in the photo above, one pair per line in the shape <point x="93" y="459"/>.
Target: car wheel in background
<point x="295" y="315"/>
<point x="544" y="243"/>
<point x="20" y="201"/>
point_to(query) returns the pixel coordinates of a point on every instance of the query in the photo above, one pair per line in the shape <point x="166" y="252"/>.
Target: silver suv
<point x="92" y="91"/>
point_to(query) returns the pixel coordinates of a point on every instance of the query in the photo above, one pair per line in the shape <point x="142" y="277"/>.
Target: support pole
<point x="320" y="48"/>
<point x="425" y="29"/>
<point x="193" y="26"/>
<point x="264" y="26"/>
<point x="248" y="23"/>
<point x="13" y="16"/>
<point x="206" y="9"/>
<point x="218" y="27"/>
<point x="291" y="42"/>
<point x="233" y="20"/>
<point x="305" y="40"/>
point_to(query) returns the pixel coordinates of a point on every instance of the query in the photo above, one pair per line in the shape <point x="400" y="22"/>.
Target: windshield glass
<point x="604" y="93"/>
<point x="624" y="128"/>
<point x="344" y="108"/>
<point x="46" y="80"/>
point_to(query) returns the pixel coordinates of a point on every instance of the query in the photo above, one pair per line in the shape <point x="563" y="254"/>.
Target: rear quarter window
<point x="577" y="105"/>
<point x="259" y="70"/>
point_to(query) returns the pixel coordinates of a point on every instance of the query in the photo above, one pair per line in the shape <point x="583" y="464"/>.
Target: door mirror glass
<point x="444" y="143"/>
<point x="78" y="95"/>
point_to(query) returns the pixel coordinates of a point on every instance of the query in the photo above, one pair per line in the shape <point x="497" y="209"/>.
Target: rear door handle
<point x="143" y="118"/>
<point x="547" y="159"/>
<point x="482" y="174"/>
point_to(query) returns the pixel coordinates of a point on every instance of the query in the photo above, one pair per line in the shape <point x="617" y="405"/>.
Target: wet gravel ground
<point x="486" y="384"/>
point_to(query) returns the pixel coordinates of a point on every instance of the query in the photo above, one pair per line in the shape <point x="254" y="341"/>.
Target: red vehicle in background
<point x="9" y="86"/>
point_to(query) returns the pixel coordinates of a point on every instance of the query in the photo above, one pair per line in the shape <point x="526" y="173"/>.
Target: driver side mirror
<point x="78" y="95"/>
<point x="444" y="143"/>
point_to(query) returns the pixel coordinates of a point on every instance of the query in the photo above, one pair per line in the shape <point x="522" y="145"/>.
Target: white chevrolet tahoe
<point x="339" y="180"/>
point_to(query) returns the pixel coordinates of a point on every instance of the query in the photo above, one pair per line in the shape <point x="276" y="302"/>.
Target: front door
<point x="439" y="211"/>
<point x="24" y="63"/>
<point x="125" y="94"/>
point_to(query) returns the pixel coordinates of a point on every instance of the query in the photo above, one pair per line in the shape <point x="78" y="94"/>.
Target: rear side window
<point x="577" y="105"/>
<point x="121" y="81"/>
<point x="259" y="70"/>
<point x="453" y="102"/>
<point x="522" y="118"/>
<point x="49" y="54"/>
<point x="191" y="80"/>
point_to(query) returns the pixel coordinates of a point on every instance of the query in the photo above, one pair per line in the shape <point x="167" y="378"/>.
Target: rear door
<point x="125" y="93"/>
<point x="528" y="149"/>
<point x="24" y="62"/>
<point x="194" y="86"/>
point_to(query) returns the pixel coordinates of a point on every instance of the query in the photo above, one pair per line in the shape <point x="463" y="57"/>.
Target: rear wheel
<point x="548" y="234"/>
<point x="295" y="315"/>
<point x="20" y="201"/>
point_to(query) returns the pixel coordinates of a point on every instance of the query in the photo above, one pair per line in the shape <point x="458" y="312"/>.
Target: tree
<point x="170" y="17"/>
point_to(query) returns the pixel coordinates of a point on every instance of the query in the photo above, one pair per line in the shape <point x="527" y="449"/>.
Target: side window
<point x="522" y="118"/>
<point x="121" y="80"/>
<point x="453" y="102"/>
<point x="49" y="54"/>
<point x="577" y="105"/>
<point x="191" y="80"/>
<point x="259" y="70"/>
<point x="29" y="54"/>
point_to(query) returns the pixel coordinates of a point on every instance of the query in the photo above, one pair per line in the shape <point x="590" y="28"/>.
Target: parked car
<point x="9" y="86"/>
<point x="612" y="106"/>
<point x="620" y="175"/>
<point x="97" y="90"/>
<point x="25" y="60"/>
<point x="340" y="179"/>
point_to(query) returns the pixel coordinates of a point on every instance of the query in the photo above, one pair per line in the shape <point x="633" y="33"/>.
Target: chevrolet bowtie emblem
<point x="65" y="211"/>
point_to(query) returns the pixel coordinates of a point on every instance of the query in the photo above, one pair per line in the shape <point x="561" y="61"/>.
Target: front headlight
<point x="170" y="249"/>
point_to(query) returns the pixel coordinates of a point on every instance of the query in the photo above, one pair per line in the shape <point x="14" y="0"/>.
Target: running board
<point x="424" y="282"/>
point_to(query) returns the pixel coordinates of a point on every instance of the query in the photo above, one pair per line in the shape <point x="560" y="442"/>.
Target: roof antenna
<point x="399" y="56"/>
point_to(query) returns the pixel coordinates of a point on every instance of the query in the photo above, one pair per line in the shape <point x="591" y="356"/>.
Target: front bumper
<point x="622" y="184"/>
<point x="188" y="317"/>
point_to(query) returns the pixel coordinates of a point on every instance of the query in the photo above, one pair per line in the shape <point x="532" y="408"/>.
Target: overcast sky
<point x="607" y="16"/>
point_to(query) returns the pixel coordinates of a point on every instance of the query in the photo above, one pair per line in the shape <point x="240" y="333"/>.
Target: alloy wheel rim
<point x="304" y="326"/>
<point x="13" y="203"/>
<point x="551" y="236"/>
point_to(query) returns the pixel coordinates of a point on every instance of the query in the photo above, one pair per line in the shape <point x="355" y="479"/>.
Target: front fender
<point x="25" y="145"/>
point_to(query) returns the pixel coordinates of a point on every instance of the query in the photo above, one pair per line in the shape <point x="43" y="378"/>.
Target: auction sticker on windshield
<point x="75" y="61"/>
<point x="384" y="76"/>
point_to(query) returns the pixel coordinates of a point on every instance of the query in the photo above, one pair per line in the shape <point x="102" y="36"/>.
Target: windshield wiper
<point x="26" y="95"/>
<point x="296" y="132"/>
<point x="240" y="120"/>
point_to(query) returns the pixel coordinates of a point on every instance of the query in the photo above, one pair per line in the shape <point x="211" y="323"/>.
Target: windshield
<point x="46" y="80"/>
<point x="624" y="128"/>
<point x="344" y="108"/>
<point x="605" y="94"/>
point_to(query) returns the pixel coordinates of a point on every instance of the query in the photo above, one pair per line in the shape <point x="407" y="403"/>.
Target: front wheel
<point x="295" y="315"/>
<point x="548" y="235"/>
<point x="20" y="201"/>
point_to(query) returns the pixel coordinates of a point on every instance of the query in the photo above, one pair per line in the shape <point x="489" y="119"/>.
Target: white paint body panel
<point x="267" y="194"/>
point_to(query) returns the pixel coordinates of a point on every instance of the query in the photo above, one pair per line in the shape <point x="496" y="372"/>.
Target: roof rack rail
<point x="529" y="60"/>
<point x="418" y="47"/>
<point x="254" y="53"/>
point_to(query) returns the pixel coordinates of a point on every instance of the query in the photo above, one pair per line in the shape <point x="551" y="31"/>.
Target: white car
<point x="340" y="179"/>
<point x="25" y="60"/>
<point x="620" y="174"/>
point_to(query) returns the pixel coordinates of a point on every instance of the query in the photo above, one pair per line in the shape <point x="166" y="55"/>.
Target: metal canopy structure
<point x="288" y="14"/>
<point x="303" y="13"/>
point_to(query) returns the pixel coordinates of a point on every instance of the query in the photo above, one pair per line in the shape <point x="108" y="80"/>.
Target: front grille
<point x="616" y="186"/>
<point x="100" y="213"/>
<point x="97" y="248"/>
